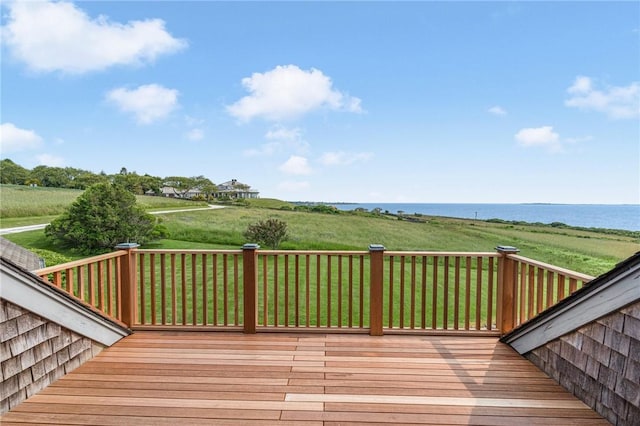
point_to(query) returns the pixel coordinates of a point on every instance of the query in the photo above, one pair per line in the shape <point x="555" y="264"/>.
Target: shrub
<point x="270" y="232"/>
<point x="51" y="258"/>
<point x="103" y="216"/>
<point x="326" y="209"/>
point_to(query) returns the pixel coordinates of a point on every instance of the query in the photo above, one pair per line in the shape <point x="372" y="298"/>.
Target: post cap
<point x="127" y="246"/>
<point x="376" y="247"/>
<point x="507" y="249"/>
<point x="251" y="246"/>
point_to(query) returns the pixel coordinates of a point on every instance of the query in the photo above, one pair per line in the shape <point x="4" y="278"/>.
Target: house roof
<point x="172" y="190"/>
<point x="606" y="293"/>
<point x="232" y="185"/>
<point x="27" y="290"/>
<point x="20" y="255"/>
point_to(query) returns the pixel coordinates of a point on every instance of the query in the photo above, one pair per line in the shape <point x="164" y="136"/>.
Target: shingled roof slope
<point x="20" y="255"/>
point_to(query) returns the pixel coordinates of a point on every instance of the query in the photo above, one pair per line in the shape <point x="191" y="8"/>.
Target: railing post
<point x="376" y="268"/>
<point x="128" y="283"/>
<point x="249" y="278"/>
<point x="506" y="315"/>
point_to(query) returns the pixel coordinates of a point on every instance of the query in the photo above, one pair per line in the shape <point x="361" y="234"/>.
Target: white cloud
<point x="614" y="101"/>
<point x="296" y="165"/>
<point x="195" y="134"/>
<point x="539" y="136"/>
<point x="580" y="85"/>
<point x="287" y="92"/>
<point x="193" y="121"/>
<point x="50" y="160"/>
<point x="59" y="36"/>
<point x="148" y="103"/>
<point x="341" y="158"/>
<point x="265" y="149"/>
<point x="281" y="139"/>
<point x="284" y="134"/>
<point x="579" y="139"/>
<point x="293" y="186"/>
<point x="14" y="139"/>
<point x="497" y="110"/>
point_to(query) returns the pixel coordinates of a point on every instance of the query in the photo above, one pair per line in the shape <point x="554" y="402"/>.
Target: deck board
<point x="231" y="378"/>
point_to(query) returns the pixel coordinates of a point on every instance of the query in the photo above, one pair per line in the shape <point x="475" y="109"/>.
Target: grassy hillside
<point x="581" y="250"/>
<point x="584" y="251"/>
<point x="23" y="202"/>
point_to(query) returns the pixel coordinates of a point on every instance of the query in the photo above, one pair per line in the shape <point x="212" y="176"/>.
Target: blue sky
<point x="497" y="102"/>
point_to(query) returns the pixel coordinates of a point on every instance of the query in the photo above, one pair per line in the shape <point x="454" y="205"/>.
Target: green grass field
<point x="584" y="251"/>
<point x="29" y="205"/>
<point x="580" y="250"/>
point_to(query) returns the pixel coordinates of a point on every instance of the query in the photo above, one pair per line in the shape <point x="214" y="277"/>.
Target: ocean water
<point x="611" y="216"/>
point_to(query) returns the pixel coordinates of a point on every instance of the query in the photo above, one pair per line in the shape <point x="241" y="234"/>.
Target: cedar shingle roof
<point x="20" y="255"/>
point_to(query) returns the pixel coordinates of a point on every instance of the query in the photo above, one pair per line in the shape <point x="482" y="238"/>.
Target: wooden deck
<point x="230" y="378"/>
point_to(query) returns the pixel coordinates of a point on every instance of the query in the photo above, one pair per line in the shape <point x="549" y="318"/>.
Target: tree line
<point x="73" y="178"/>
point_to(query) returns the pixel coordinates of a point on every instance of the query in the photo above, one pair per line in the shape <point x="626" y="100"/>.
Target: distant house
<point x="235" y="189"/>
<point x="171" y="192"/>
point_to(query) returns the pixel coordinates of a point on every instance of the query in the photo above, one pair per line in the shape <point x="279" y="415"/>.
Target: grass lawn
<point x="29" y="205"/>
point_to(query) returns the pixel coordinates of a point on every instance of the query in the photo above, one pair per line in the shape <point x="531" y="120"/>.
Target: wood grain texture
<point x="263" y="379"/>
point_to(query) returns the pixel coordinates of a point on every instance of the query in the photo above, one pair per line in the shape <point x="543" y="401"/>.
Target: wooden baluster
<point x="391" y="288"/>
<point x="297" y="289"/>
<point x="339" y="291"/>
<point x="361" y="322"/>
<point x="402" y="273"/>
<point x="412" y="316"/>
<point x="236" y="283"/>
<point x="205" y="293"/>
<point x="478" y="293"/>
<point x="286" y="290"/>
<point x="142" y="289"/>
<point x="456" y="294"/>
<point x="163" y="289"/>
<point x="276" y="295"/>
<point x="423" y="319"/>
<point x="490" y="283"/>
<point x="445" y="294"/>
<point x="174" y="291"/>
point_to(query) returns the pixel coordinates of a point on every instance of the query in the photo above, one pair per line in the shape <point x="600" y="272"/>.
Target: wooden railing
<point x="189" y="288"/>
<point x="96" y="281"/>
<point x="312" y="289"/>
<point x="373" y="291"/>
<point x="440" y="291"/>
<point x="534" y="286"/>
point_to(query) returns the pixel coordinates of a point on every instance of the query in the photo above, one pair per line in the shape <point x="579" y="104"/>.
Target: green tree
<point x="55" y="177"/>
<point x="206" y="187"/>
<point x="11" y="172"/>
<point x="150" y="183"/>
<point x="181" y="184"/>
<point x="101" y="217"/>
<point x="85" y="179"/>
<point x="270" y="232"/>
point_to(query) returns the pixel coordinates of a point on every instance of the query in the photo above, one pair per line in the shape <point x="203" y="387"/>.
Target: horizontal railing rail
<point x="374" y="291"/>
<point x="96" y="281"/>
